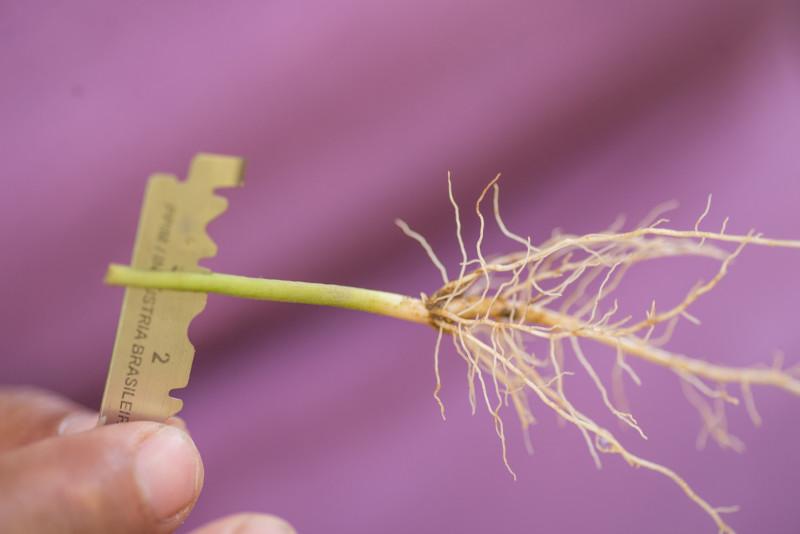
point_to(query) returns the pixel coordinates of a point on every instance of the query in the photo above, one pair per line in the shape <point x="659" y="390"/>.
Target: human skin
<point x="59" y="472"/>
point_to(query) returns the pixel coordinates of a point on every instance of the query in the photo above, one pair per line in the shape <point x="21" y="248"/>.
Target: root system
<point x="557" y="296"/>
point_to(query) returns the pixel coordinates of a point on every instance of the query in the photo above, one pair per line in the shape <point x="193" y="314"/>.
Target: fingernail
<point x="168" y="471"/>
<point x="77" y="422"/>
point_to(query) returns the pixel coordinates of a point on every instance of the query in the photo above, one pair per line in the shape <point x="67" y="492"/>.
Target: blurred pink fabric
<point x="350" y="114"/>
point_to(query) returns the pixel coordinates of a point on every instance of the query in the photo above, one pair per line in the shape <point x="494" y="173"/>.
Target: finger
<point x="177" y="422"/>
<point x="247" y="524"/>
<point x="28" y="415"/>
<point x="131" y="477"/>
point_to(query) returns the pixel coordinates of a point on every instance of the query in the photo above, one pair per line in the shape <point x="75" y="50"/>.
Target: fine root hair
<point x="557" y="296"/>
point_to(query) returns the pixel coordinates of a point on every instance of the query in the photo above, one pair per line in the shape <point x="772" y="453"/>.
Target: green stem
<point x="353" y="298"/>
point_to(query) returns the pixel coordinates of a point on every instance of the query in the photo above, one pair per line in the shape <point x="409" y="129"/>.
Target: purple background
<point x="350" y="114"/>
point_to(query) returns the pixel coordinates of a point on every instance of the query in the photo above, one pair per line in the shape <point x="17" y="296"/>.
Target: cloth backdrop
<point x="350" y="114"/>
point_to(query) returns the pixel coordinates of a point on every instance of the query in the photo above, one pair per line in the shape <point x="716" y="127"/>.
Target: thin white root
<point x="428" y="249"/>
<point x="493" y="311"/>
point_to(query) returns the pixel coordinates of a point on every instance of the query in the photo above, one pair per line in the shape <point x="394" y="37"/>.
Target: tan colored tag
<point x="152" y="353"/>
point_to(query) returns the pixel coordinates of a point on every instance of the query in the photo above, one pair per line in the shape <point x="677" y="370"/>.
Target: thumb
<point x="132" y="477"/>
<point x="247" y="524"/>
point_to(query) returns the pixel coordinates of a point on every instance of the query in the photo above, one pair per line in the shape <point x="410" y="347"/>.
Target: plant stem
<point x="353" y="298"/>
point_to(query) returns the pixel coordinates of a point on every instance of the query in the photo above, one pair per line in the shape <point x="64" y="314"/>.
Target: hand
<point x="58" y="473"/>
